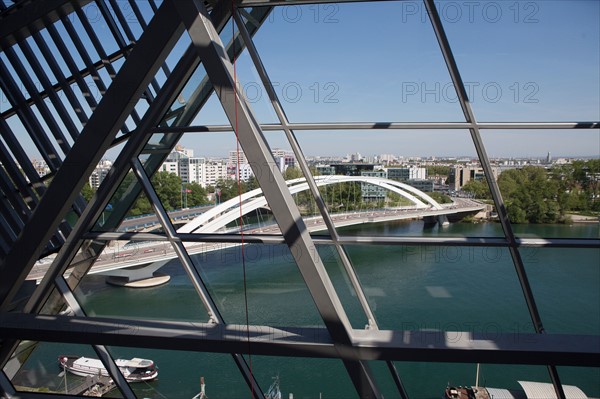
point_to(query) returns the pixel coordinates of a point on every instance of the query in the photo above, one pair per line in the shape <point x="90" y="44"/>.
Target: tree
<point x="87" y="191"/>
<point x="168" y="188"/>
<point x="440" y="198"/>
<point x="530" y="196"/>
<point x="478" y="188"/>
<point x="196" y="195"/>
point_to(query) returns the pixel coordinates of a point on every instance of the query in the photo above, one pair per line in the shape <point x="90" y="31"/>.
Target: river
<point x="431" y="287"/>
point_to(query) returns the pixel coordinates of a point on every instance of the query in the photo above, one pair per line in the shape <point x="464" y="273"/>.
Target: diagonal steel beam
<point x="219" y="69"/>
<point x="145" y="59"/>
<point x="18" y="24"/>
<point x="351" y="273"/>
<point x="493" y="185"/>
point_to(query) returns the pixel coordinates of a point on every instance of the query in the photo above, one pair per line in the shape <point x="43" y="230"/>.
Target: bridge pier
<point x="443" y="220"/>
<point x="139" y="276"/>
<point x="431" y="221"/>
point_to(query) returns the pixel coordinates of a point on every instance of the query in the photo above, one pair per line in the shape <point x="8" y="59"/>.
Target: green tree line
<point x="535" y="195"/>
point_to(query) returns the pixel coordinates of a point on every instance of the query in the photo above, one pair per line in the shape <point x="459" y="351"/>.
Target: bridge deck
<point x="119" y="257"/>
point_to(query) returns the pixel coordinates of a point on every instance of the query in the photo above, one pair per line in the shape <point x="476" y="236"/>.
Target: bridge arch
<point x="228" y="211"/>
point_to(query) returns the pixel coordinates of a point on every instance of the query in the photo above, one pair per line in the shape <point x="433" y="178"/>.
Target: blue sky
<point x="522" y="61"/>
<point x="380" y="62"/>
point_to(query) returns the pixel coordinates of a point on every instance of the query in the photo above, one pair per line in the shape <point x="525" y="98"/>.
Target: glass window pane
<point x="441" y="287"/>
<point x="566" y="291"/>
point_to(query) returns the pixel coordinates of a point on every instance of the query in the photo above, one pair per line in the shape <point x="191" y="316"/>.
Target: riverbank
<point x="583" y="219"/>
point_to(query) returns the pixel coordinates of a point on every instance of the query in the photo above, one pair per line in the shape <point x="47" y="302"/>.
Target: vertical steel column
<point x="494" y="189"/>
<point x="220" y="71"/>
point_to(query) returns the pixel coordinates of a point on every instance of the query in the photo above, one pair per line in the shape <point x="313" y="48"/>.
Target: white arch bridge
<point x="140" y="261"/>
<point x="229" y="211"/>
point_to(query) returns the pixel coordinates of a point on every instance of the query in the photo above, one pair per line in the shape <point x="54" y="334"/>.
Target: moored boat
<point x="133" y="370"/>
<point x="529" y="390"/>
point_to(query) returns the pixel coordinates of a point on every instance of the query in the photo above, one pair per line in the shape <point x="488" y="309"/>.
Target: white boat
<point x="530" y="390"/>
<point x="133" y="370"/>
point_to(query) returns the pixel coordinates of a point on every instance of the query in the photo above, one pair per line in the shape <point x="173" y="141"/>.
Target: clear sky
<point x="380" y="62"/>
<point x="521" y="61"/>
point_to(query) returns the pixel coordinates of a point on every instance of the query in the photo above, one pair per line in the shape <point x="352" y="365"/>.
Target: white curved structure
<point x="228" y="211"/>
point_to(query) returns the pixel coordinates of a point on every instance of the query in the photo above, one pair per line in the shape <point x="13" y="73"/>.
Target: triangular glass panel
<point x="211" y="113"/>
<point x="128" y="203"/>
<point x="325" y="70"/>
<point x="252" y="89"/>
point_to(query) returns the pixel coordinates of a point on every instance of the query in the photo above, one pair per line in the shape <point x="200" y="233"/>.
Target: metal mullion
<point x="219" y="69"/>
<point x="16" y="210"/>
<point x="110" y="22"/>
<point x="205" y="89"/>
<point x="104" y="59"/>
<point x="7" y="233"/>
<point x="140" y="18"/>
<point x="154" y="46"/>
<point x="122" y="20"/>
<point x="68" y="59"/>
<point x="91" y="67"/>
<point x="18" y="24"/>
<point x="98" y="46"/>
<point x="494" y="189"/>
<point x="71" y="79"/>
<point x="387" y="126"/>
<point x="176" y="242"/>
<point x="105" y="193"/>
<point x="131" y="37"/>
<point x="38" y="101"/>
<point x="313" y="342"/>
<point x="56" y="102"/>
<point x="28" y="119"/>
<point x="194" y="275"/>
<point x="102" y="352"/>
<point x="13" y="171"/>
<point x="262" y="72"/>
<point x="6" y="387"/>
<point x="62" y="82"/>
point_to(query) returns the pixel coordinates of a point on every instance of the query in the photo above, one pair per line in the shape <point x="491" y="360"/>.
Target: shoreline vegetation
<point x="561" y="194"/>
